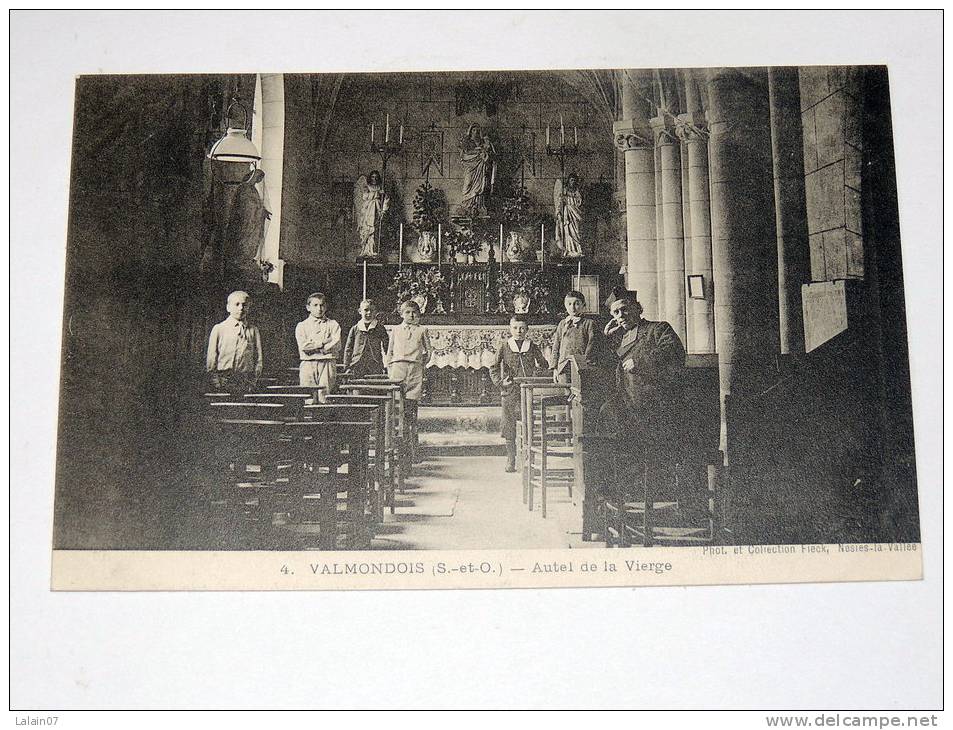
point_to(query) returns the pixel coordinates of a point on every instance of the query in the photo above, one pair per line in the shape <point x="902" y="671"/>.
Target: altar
<point x="461" y="355"/>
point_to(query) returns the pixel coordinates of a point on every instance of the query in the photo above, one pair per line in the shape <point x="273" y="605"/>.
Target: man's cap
<point x="619" y="292"/>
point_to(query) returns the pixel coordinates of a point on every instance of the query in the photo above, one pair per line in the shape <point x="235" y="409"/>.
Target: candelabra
<point x="562" y="150"/>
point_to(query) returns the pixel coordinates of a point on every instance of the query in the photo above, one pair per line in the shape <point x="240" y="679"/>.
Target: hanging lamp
<point x="235" y="146"/>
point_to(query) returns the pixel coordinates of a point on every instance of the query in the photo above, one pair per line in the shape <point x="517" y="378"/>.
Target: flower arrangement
<point x="429" y="208"/>
<point x="517" y="208"/>
<point x="462" y="241"/>
<point x="427" y="281"/>
<point x="530" y="283"/>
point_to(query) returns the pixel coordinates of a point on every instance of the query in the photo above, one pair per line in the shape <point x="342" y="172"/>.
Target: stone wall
<point x="831" y="112"/>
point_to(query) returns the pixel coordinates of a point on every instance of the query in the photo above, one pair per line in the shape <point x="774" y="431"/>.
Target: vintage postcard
<point x="470" y="329"/>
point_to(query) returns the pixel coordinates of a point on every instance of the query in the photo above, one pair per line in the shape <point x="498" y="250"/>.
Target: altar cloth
<point x="475" y="346"/>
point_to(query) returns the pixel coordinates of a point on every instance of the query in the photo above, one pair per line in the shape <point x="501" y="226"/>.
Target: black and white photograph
<point x="476" y="358"/>
<point x="484" y="310"/>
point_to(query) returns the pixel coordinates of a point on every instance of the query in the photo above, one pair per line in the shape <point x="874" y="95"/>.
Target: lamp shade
<point x="234" y="147"/>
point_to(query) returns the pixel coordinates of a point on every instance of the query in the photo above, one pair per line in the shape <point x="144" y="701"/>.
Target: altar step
<point x="460" y="430"/>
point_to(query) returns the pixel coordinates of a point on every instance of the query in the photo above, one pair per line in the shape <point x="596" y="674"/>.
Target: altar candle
<point x="575" y="136"/>
<point x="562" y="130"/>
<point x="400" y="248"/>
<point x="439" y="245"/>
<point x="372" y="132"/>
<point x="501" y="248"/>
<point x="578" y="272"/>
<point x="542" y="243"/>
<point x="387" y="128"/>
<point x="547" y="135"/>
<point x="364" y="295"/>
<point x="400" y="137"/>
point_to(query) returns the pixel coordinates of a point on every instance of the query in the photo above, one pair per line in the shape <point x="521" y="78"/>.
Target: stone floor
<point x="469" y="502"/>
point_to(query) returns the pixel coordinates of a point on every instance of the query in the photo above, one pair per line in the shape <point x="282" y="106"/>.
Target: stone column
<point x="794" y="253"/>
<point x="672" y="246"/>
<point x="269" y="134"/>
<point x="744" y="250"/>
<point x="633" y="135"/>
<point x="693" y="132"/>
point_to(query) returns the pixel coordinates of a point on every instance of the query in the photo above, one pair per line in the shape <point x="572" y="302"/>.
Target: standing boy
<point x="574" y="335"/>
<point x="366" y="343"/>
<point x="319" y="340"/>
<point x="407" y="355"/>
<point x="234" y="360"/>
<point x="518" y="357"/>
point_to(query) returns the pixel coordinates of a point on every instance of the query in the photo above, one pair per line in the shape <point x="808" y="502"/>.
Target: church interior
<point x="754" y="210"/>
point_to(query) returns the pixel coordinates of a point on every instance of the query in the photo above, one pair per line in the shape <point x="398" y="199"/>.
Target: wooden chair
<point x="521" y="424"/>
<point x="672" y="504"/>
<point x="555" y="464"/>
<point x="533" y="445"/>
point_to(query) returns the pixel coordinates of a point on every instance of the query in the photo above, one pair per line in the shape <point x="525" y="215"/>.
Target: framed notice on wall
<point x="589" y="286"/>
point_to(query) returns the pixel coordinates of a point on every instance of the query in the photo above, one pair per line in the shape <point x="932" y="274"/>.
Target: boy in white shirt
<point x="319" y="339"/>
<point x="407" y="355"/>
<point x="234" y="359"/>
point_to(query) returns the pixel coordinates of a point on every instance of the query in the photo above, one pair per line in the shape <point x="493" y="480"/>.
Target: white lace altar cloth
<point x="475" y="345"/>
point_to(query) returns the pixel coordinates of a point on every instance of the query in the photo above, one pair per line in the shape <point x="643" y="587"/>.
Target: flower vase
<point x="426" y="246"/>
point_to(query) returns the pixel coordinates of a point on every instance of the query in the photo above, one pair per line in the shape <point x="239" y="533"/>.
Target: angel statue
<point x="567" y="198"/>
<point x="370" y="205"/>
<point x="479" y="171"/>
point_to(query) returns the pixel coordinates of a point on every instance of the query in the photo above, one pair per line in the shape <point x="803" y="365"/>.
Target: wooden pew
<point x="245" y="410"/>
<point x="295" y="402"/>
<point x="241" y="467"/>
<point x="399" y="427"/>
<point x="361" y="412"/>
<point x="385" y="452"/>
<point x="315" y="470"/>
<point x="328" y="480"/>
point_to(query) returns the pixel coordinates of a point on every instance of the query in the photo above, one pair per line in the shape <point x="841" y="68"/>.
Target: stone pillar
<point x="672" y="246"/>
<point x="744" y="250"/>
<point x="794" y="253"/>
<point x="268" y="132"/>
<point x="633" y="135"/>
<point x="693" y="132"/>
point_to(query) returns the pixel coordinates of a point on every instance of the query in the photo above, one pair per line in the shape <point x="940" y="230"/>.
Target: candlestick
<point x="364" y="295"/>
<point x="387" y="129"/>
